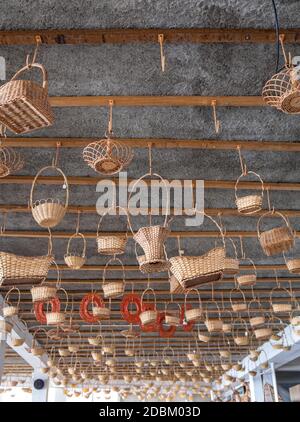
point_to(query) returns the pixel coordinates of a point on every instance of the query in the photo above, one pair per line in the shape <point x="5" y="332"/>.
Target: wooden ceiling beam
<point x="145" y="35"/>
<point x="160" y="143"/>
<point x="208" y="184"/>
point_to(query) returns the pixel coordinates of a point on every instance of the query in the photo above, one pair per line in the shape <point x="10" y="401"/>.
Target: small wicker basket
<point x="49" y="212"/>
<point x="101" y="313"/>
<point x="240" y="336"/>
<point x="238" y="306"/>
<point x="111" y="244"/>
<point x="281" y="306"/>
<point x="44" y="292"/>
<point x="9" y="308"/>
<point x="212" y="323"/>
<point x="195" y="313"/>
<point x="257" y="320"/>
<point x="113" y="289"/>
<point x="74" y="260"/>
<point x="247" y="278"/>
<point x="172" y="316"/>
<point x="249" y="204"/>
<point x="277" y="240"/>
<point x="57" y="318"/>
<point x="263" y="333"/>
<point x="148" y="316"/>
<point x="24" y="104"/>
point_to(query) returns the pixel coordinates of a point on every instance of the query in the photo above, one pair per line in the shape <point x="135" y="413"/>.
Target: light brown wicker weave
<point x="57" y="318"/>
<point x="10" y="160"/>
<point x="257" y="320"/>
<point x="113" y="289"/>
<point x="9" y="308"/>
<point x="249" y="204"/>
<point x="240" y="332"/>
<point x="36" y="349"/>
<point x="49" y="212"/>
<point x="101" y="313"/>
<point x="44" y="292"/>
<point x="72" y="259"/>
<point x="172" y="316"/>
<point x="111" y="244"/>
<point x="212" y="323"/>
<point x="263" y="333"/>
<point x="175" y="286"/>
<point x="24" y="104"/>
<point x="238" y="306"/>
<point x="5" y="327"/>
<point x="282" y="91"/>
<point x="195" y="313"/>
<point x="276" y="240"/>
<point x="148" y="316"/>
<point x="247" y="278"/>
<point x="278" y="305"/>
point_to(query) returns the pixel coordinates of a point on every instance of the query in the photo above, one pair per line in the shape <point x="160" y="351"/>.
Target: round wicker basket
<point x="249" y="204"/>
<point x="10" y="160"/>
<point x="115" y="288"/>
<point x="74" y="260"/>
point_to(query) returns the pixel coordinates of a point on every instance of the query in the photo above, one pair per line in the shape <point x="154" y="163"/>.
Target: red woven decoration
<point x="132" y="317"/>
<point x="165" y="332"/>
<point x="188" y="326"/>
<point x="39" y="309"/>
<point x="149" y="328"/>
<point x="84" y="312"/>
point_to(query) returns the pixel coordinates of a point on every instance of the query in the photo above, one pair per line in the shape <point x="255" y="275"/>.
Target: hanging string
<point x="3" y="226"/>
<point x="217" y="122"/>
<point x="242" y="248"/>
<point x="242" y="163"/>
<point x="110" y="118"/>
<point x="2" y="134"/>
<point x="162" y="55"/>
<point x="55" y="159"/>
<point x="180" y="251"/>
<point x="286" y="59"/>
<point x="276" y="278"/>
<point x="271" y="209"/>
<point x="277" y="35"/>
<point x="38" y="42"/>
<point x="78" y="222"/>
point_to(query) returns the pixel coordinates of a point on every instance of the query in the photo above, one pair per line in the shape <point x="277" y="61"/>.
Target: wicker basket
<point x="195" y="313"/>
<point x="247" y="278"/>
<point x="57" y="318"/>
<point x="241" y="338"/>
<point x="24" y="104"/>
<point x="10" y="160"/>
<point x="43" y="293"/>
<point x="152" y="239"/>
<point x="73" y="260"/>
<point x="277" y="240"/>
<point x="293" y="265"/>
<point x="257" y="320"/>
<point x="17" y="342"/>
<point x="175" y="286"/>
<point x="115" y="288"/>
<point x="49" y="212"/>
<point x="110" y="244"/>
<point x="263" y="333"/>
<point x="95" y="341"/>
<point x="213" y="324"/>
<point x="249" y="204"/>
<point x="282" y="91"/>
<point x="238" y="306"/>
<point x="171" y="316"/>
<point x="101" y="313"/>
<point x="17" y="270"/>
<point x="192" y="271"/>
<point x="36" y="349"/>
<point x="10" y="309"/>
<point x="148" y="316"/>
<point x="281" y="307"/>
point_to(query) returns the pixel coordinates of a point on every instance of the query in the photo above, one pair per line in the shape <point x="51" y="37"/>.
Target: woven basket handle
<point x="238" y="291"/>
<point x="106" y="212"/>
<point x="251" y="302"/>
<point x="285" y="219"/>
<point x="34" y="335"/>
<point x="215" y="223"/>
<point x="77" y="235"/>
<point x="209" y="310"/>
<point x="236" y="328"/>
<point x="186" y="295"/>
<point x="167" y="192"/>
<point x="177" y="305"/>
<point x="39" y="174"/>
<point x="243" y="175"/>
<point x="35" y="65"/>
<point x="9" y="292"/>
<point x="279" y="288"/>
<point x="113" y="259"/>
<point x="149" y="289"/>
<point x="67" y="297"/>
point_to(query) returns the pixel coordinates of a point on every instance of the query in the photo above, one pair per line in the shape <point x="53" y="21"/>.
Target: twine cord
<point x="217" y="122"/>
<point x="162" y="55"/>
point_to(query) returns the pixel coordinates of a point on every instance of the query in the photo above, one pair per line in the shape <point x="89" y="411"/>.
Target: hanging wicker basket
<point x="195" y="313"/>
<point x="74" y="260"/>
<point x="247" y="278"/>
<point x="277" y="240"/>
<point x="45" y="292"/>
<point x="107" y="156"/>
<point x="292" y="262"/>
<point x="23" y="270"/>
<point x="172" y="316"/>
<point x="278" y="305"/>
<point x="240" y="336"/>
<point x="10" y="160"/>
<point x="101" y="313"/>
<point x="57" y="318"/>
<point x="148" y="316"/>
<point x="113" y="289"/>
<point x="249" y="204"/>
<point x="110" y="244"/>
<point x="24" y="104"/>
<point x="263" y="333"/>
<point x="49" y="212"/>
<point x="257" y="320"/>
<point x="236" y="305"/>
<point x="213" y="324"/>
<point x="36" y="349"/>
<point x="11" y="309"/>
<point x="282" y="91"/>
<point x="203" y="336"/>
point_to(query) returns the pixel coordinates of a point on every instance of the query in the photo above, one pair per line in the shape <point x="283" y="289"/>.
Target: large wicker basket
<point x="192" y="271"/>
<point x="113" y="289"/>
<point x="19" y="270"/>
<point x="276" y="240"/>
<point x="249" y="204"/>
<point x="24" y="104"/>
<point x="49" y="212"/>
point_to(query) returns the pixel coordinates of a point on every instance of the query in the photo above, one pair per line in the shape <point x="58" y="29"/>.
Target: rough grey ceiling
<point x="129" y="69"/>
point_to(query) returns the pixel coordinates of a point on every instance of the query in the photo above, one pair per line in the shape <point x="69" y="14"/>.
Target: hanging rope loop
<point x="242" y="162"/>
<point x="38" y="42"/>
<point x="161" y="40"/>
<point x="217" y="122"/>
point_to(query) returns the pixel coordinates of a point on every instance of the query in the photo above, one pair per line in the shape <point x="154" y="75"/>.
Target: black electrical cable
<point x="277" y="35"/>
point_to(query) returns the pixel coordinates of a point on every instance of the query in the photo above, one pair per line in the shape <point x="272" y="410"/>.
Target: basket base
<point x="21" y="281"/>
<point x="157" y="266"/>
<point x="199" y="280"/>
<point x="291" y="103"/>
<point x="107" y="165"/>
<point x="4" y="170"/>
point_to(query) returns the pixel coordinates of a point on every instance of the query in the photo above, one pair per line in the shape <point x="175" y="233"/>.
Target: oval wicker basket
<point x="111" y="244"/>
<point x="10" y="309"/>
<point x="113" y="289"/>
<point x="49" y="212"/>
<point x="241" y="338"/>
<point x="263" y="333"/>
<point x="24" y="104"/>
<point x="171" y="316"/>
<point x="249" y="204"/>
<point x="57" y="318"/>
<point x="281" y="307"/>
<point x="256" y="320"/>
<point x="101" y="313"/>
<point x="74" y="260"/>
<point x="238" y="306"/>
<point x="148" y="316"/>
<point x="195" y="313"/>
<point x="17" y="342"/>
<point x="212" y="323"/>
<point x="277" y="240"/>
<point x="247" y="277"/>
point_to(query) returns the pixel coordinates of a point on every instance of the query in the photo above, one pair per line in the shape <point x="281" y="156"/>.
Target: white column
<point x="40" y="395"/>
<point x="274" y="381"/>
<point x="2" y="355"/>
<point x="256" y="388"/>
<point x="59" y="395"/>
